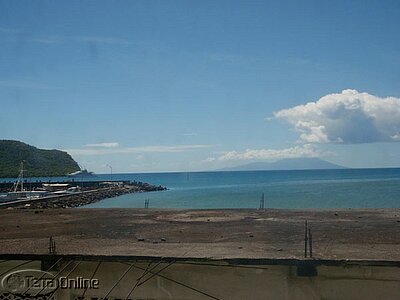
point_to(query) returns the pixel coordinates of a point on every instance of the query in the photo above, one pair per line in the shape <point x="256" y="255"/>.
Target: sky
<point x="159" y="86"/>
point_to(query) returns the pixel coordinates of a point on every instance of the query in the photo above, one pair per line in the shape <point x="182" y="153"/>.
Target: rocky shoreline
<point x="85" y="197"/>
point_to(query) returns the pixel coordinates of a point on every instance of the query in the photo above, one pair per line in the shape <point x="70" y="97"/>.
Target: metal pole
<point x="51" y="245"/>
<point x="305" y="238"/>
<point x="111" y="172"/>
<point x="22" y="176"/>
<point x="310" y="241"/>
<point x="263" y="201"/>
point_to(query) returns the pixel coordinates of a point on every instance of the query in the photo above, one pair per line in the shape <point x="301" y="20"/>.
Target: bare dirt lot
<point x="372" y="234"/>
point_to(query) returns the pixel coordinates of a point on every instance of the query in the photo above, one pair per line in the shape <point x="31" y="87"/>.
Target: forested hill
<point x="37" y="162"/>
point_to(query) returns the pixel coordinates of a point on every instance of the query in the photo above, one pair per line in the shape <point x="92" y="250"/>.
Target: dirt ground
<point x="365" y="234"/>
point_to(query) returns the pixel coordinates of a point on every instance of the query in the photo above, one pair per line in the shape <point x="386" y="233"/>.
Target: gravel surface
<point x="365" y="234"/>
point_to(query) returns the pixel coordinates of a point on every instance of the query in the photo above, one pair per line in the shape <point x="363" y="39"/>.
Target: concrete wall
<point x="227" y="282"/>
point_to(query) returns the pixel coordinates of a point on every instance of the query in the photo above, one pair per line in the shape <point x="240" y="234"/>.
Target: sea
<point x="295" y="189"/>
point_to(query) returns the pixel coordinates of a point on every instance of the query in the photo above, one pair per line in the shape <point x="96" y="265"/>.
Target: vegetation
<point x="37" y="162"/>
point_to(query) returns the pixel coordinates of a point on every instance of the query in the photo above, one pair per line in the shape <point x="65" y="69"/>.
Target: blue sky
<point x="200" y="85"/>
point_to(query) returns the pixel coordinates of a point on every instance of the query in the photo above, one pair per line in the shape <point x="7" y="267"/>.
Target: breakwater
<point x="85" y="197"/>
<point x="6" y="186"/>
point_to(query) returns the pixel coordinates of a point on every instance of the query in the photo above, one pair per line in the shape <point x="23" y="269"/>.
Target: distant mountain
<point x="303" y="163"/>
<point x="37" y="162"/>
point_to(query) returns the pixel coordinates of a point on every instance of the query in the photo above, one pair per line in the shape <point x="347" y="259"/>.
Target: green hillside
<point x="37" y="162"/>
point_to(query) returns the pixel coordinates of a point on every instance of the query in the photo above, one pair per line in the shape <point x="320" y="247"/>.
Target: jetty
<point x="68" y="194"/>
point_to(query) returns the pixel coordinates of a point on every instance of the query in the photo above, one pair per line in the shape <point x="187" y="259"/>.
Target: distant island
<point x="37" y="162"/>
<point x="304" y="163"/>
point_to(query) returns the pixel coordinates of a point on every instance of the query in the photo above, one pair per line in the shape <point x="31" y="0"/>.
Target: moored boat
<point x="81" y="173"/>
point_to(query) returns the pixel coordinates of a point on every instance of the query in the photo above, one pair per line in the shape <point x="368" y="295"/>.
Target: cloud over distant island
<point x="349" y="117"/>
<point x="306" y="150"/>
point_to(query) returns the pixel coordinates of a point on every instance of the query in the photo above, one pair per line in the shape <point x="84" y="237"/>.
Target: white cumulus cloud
<point x="348" y="117"/>
<point x="306" y="150"/>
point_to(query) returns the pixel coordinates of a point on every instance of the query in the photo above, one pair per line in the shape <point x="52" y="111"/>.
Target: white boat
<point x="71" y="190"/>
<point x="18" y="191"/>
<point x="24" y="195"/>
<point x="81" y="173"/>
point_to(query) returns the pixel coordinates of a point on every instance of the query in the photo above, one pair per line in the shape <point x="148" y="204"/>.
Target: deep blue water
<point x="349" y="188"/>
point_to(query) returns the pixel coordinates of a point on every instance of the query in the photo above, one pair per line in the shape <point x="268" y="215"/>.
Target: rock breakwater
<point x="82" y="198"/>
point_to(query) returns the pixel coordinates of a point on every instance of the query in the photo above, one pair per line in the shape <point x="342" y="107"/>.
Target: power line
<point x="44" y="273"/>
<point x="94" y="273"/>
<point x="13" y="268"/>
<point x="182" y="284"/>
<point x="154" y="274"/>
<point x="118" y="281"/>
<point x="69" y="273"/>
<point x="55" y="276"/>
<point x="140" y="278"/>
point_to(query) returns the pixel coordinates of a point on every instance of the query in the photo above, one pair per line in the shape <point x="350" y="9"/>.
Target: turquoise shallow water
<point x="350" y="188"/>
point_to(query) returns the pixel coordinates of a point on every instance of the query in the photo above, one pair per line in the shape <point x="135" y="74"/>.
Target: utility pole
<point x="262" y="201"/>
<point x="111" y="172"/>
<point x="308" y="241"/>
<point x="305" y="238"/>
